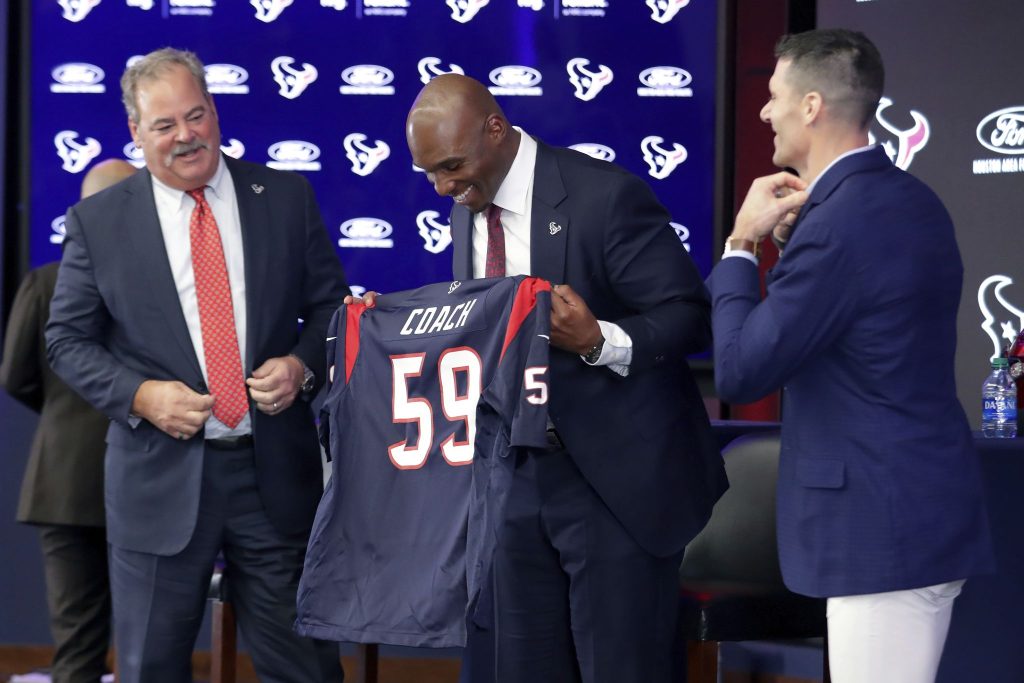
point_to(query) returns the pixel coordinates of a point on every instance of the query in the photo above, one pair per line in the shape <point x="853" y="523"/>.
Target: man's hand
<point x="173" y="407"/>
<point x="767" y="204"/>
<point x="275" y="384"/>
<point x="573" y="327"/>
<point x="370" y="298"/>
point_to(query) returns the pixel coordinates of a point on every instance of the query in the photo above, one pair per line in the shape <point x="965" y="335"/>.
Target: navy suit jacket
<point x="116" y="320"/>
<point x="879" y="486"/>
<point x="643" y="441"/>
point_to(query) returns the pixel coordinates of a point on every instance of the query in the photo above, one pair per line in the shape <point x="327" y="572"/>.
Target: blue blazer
<point x="116" y="320"/>
<point x="644" y="441"/>
<point x="879" y="485"/>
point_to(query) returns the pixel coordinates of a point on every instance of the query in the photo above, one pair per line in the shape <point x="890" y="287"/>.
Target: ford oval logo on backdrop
<point x="1003" y="131"/>
<point x="77" y="77"/>
<point x="515" y="76"/>
<point x="367" y="74"/>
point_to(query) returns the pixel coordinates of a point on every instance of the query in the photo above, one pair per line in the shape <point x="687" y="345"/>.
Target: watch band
<point x="741" y="244"/>
<point x="594" y="354"/>
<point x="308" y="377"/>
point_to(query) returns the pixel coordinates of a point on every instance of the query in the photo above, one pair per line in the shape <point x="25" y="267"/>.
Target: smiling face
<point x="177" y="131"/>
<point x="785" y="112"/>
<point x="463" y="154"/>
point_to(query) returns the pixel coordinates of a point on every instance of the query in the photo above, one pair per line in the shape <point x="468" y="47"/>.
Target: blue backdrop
<point x="324" y="87"/>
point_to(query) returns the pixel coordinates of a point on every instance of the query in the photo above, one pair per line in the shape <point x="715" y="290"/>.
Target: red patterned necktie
<point x="495" y="263"/>
<point x="216" y="316"/>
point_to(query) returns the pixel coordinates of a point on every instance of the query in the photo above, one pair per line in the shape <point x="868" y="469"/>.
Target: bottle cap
<point x="999" y="362"/>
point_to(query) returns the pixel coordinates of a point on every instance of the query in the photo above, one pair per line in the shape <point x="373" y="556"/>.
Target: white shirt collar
<point x="175" y="199"/>
<point x="515" y="189"/>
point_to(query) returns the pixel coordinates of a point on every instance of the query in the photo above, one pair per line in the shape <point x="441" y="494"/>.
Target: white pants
<point x="892" y="637"/>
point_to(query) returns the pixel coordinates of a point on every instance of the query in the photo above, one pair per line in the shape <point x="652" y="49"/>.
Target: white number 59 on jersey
<point x="454" y="405"/>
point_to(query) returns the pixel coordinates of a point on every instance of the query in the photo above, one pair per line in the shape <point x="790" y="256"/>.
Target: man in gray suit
<point x="176" y="313"/>
<point x="62" y="491"/>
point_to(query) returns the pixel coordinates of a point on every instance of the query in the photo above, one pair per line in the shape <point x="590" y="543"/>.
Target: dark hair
<point x="153" y="65"/>
<point x="843" y="65"/>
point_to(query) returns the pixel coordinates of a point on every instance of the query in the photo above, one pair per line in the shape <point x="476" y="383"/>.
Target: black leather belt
<point x="230" y="443"/>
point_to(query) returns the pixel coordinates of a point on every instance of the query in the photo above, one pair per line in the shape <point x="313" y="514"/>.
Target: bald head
<point x="104" y="174"/>
<point x="459" y="135"/>
<point x="451" y="93"/>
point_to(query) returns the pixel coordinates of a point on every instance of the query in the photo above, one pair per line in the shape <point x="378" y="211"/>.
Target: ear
<point x="496" y="127"/>
<point x="133" y="128"/>
<point x="811" y="107"/>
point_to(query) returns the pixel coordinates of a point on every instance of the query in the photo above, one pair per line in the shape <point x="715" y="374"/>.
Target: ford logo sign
<point x="1003" y="131"/>
<point x="515" y="76"/>
<point x="225" y="74"/>
<point x="78" y="73"/>
<point x="367" y="74"/>
<point x="365" y="228"/>
<point x="592" y="149"/>
<point x="293" y="150"/>
<point x="665" y="77"/>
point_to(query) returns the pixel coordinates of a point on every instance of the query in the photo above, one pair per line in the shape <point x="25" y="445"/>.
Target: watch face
<point x="307" y="381"/>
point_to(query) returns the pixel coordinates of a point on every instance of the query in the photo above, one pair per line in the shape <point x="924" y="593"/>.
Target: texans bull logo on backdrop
<point x="1001" y="320"/>
<point x="904" y="143"/>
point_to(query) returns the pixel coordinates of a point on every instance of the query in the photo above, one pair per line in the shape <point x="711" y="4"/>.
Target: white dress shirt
<point x="174" y="208"/>
<point x="515" y="197"/>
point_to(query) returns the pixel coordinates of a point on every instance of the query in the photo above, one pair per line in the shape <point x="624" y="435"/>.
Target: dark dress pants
<point x="159" y="601"/>
<point x="576" y="599"/>
<point x="78" y="598"/>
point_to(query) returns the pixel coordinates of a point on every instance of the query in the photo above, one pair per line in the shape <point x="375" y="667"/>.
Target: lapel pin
<point x="257" y="188"/>
<point x="554" y="228"/>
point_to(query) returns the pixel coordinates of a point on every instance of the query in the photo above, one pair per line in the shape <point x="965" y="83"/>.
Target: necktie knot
<point x="493" y="213"/>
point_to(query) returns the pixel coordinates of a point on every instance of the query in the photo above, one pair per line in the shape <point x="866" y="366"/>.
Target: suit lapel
<point x="462" y="243"/>
<point x="147" y="242"/>
<point x="549" y="227"/>
<point x="254" y="216"/>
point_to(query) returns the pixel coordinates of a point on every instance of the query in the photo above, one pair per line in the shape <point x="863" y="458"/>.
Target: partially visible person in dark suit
<point x="586" y="570"/>
<point x="177" y="314"/>
<point x="62" y="492"/>
<point x="880" y="505"/>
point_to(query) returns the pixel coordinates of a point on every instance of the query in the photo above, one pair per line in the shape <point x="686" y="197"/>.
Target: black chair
<point x="223" y="638"/>
<point x="731" y="586"/>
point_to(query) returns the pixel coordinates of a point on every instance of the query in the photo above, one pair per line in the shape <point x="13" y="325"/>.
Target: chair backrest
<point x="738" y="545"/>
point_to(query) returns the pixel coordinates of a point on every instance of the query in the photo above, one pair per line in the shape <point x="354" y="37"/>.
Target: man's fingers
<point x="566" y="294"/>
<point x="794" y="200"/>
<point x="784" y="179"/>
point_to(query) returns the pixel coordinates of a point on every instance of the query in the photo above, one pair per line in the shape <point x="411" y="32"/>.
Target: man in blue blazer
<point x="585" y="574"/>
<point x="176" y="313"/>
<point x="879" y="501"/>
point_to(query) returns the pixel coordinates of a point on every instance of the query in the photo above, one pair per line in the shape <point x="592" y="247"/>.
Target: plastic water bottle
<point x="999" y="403"/>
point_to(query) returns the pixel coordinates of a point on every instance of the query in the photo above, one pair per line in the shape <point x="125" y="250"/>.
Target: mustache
<point x="184" y="148"/>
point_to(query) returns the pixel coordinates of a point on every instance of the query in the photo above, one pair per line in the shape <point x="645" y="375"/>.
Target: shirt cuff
<point x="617" y="352"/>
<point x="742" y="254"/>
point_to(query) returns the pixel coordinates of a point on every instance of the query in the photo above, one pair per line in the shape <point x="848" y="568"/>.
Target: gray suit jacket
<point x="63" y="481"/>
<point x="116" y="321"/>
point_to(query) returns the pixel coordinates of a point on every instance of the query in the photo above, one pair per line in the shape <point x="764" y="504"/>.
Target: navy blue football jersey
<point x="430" y="392"/>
